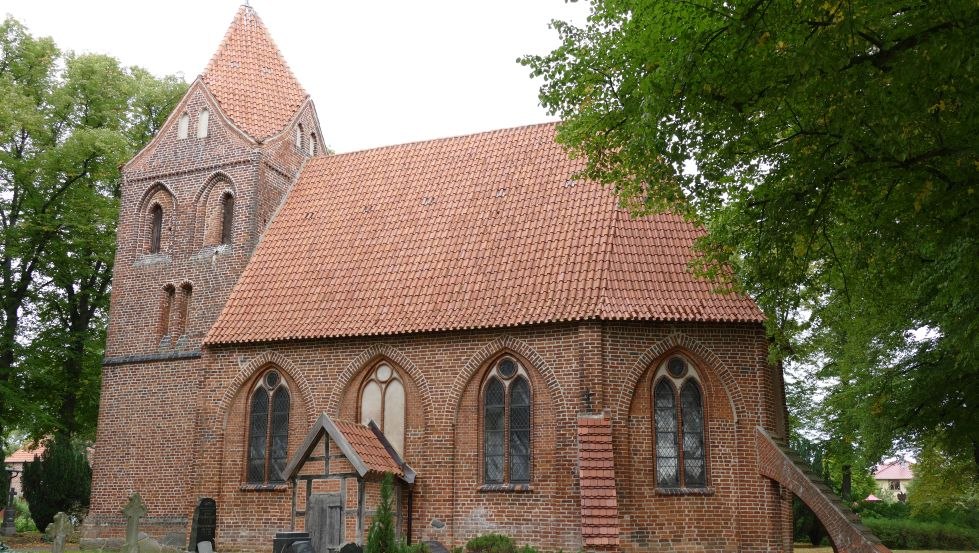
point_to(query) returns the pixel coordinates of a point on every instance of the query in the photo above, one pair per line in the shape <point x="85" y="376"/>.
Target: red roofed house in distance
<point x="525" y="357"/>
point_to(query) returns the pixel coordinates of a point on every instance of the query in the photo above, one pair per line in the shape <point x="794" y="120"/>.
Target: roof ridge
<point x="445" y="138"/>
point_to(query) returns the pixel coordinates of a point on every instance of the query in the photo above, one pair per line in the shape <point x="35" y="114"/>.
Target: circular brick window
<point x="677" y="367"/>
<point x="272" y="379"/>
<point x="507" y="367"/>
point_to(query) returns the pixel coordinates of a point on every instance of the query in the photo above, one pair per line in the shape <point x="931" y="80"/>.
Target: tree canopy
<point x="830" y="150"/>
<point x="67" y="122"/>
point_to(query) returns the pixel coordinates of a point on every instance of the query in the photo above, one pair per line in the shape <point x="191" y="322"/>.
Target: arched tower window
<point x="227" y="217"/>
<point x="312" y="144"/>
<point x="268" y="430"/>
<point x="506" y="431"/>
<point x="299" y="137"/>
<point x="382" y="399"/>
<point x="183" y="126"/>
<point x="202" y="118"/>
<point x="678" y="421"/>
<point x="166" y="307"/>
<point x="183" y="313"/>
<point x="156" y="229"/>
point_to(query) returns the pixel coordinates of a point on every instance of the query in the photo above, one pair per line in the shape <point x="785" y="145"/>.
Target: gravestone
<point x="204" y="525"/>
<point x="133" y="510"/>
<point x="204" y="547"/>
<point x="301" y="547"/>
<point x="58" y="531"/>
<point x="351" y="548"/>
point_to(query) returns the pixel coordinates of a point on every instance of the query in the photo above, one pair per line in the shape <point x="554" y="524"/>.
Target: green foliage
<point x="836" y="171"/>
<point x="23" y="521"/>
<point x="60" y="480"/>
<point x="883" y="509"/>
<point x="380" y="536"/>
<point x="67" y="122"/>
<point x="491" y="543"/>
<point x="913" y="534"/>
<point x="945" y="487"/>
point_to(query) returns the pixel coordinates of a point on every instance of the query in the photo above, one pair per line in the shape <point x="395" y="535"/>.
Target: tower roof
<point x="250" y="80"/>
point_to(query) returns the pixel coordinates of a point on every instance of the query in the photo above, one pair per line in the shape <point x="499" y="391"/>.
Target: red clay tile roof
<point x="599" y="506"/>
<point x="486" y="230"/>
<point x="24" y="455"/>
<point x="369" y="448"/>
<point x="250" y="79"/>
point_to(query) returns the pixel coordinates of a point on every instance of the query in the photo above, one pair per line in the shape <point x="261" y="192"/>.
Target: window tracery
<point x="678" y="424"/>
<point x="507" y="403"/>
<point x="268" y="430"/>
<point x="382" y="399"/>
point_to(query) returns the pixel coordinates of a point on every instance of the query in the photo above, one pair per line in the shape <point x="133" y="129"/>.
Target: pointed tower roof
<point x="250" y="79"/>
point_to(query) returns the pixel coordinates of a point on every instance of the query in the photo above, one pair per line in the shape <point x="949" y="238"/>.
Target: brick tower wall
<point x="147" y="434"/>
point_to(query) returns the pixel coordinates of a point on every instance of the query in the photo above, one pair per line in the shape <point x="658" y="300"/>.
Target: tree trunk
<point x="847" y="482"/>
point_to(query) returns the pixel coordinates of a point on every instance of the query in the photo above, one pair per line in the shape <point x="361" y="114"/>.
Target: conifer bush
<point x="59" y="480"/>
<point x="380" y="536"/>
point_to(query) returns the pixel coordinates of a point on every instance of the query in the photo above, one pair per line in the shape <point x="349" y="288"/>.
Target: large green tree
<point x="67" y="122"/>
<point x="830" y="148"/>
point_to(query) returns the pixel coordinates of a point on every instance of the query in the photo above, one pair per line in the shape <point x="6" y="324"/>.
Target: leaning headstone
<point x="133" y="510"/>
<point x="58" y="532"/>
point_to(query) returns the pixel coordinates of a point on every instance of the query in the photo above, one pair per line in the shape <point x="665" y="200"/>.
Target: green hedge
<point x="913" y="534"/>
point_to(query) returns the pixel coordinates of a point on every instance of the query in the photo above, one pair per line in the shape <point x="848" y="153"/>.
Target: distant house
<point x="893" y="479"/>
<point x="16" y="462"/>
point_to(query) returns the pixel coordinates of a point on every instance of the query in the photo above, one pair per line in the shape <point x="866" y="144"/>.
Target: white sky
<point x="382" y="72"/>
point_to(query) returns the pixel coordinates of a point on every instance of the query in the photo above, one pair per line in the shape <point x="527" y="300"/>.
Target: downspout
<point x="411" y="505"/>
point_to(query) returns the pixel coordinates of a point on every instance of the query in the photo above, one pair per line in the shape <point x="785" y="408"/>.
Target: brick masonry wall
<point x="443" y="373"/>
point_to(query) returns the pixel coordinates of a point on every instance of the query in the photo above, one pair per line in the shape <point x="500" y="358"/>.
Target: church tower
<point x="195" y="202"/>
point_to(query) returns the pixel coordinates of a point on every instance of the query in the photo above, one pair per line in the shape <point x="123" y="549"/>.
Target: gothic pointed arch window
<point x="155" y="238"/>
<point x="382" y="400"/>
<point x="507" y="402"/>
<point x="678" y="426"/>
<point x="268" y="429"/>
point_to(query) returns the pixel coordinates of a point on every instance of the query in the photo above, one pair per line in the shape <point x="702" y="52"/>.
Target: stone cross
<point x="59" y="530"/>
<point x="133" y="511"/>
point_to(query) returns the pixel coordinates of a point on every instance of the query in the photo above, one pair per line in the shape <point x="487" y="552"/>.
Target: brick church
<point x="286" y="326"/>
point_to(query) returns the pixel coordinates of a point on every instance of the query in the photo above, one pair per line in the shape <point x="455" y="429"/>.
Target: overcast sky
<point x="382" y="72"/>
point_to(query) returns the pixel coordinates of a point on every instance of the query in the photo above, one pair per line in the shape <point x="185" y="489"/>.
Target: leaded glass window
<point x="678" y="421"/>
<point x="268" y="430"/>
<point x="507" y="405"/>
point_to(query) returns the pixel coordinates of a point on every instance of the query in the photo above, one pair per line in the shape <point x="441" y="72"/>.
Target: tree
<point x="830" y="150"/>
<point x="380" y="536"/>
<point x="67" y="122"/>
<point x="59" y="480"/>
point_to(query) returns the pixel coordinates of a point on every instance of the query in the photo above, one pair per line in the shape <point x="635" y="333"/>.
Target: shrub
<point x="883" y="509"/>
<point x="913" y="534"/>
<point x="491" y="543"/>
<point x="380" y="536"/>
<point x="60" y="480"/>
<point x="23" y="521"/>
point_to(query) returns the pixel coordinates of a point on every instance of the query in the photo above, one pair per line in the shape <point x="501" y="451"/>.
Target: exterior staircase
<point x="779" y="463"/>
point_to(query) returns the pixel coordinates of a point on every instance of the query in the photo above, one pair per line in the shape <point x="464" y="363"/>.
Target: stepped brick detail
<point x="599" y="506"/>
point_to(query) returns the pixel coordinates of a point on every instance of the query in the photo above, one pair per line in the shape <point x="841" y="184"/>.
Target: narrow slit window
<point x="227" y="217"/>
<point x="166" y="307"/>
<point x="156" y="228"/>
<point x="186" y="294"/>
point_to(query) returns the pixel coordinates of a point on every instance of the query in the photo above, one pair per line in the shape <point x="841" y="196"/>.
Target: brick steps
<point x="784" y="466"/>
